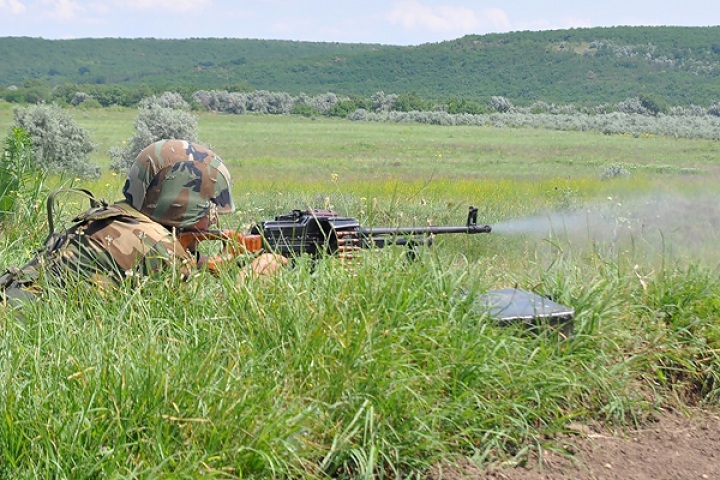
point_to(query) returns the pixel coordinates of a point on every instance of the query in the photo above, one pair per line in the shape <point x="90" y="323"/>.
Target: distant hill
<point x="680" y="65"/>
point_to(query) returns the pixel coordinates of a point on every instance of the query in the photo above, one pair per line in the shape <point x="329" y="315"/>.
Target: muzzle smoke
<point x="684" y="224"/>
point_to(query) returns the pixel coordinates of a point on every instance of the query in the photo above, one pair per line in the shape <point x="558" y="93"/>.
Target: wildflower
<point x="334" y="177"/>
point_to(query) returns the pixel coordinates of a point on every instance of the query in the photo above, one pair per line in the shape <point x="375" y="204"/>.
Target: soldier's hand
<point x="268" y="264"/>
<point x="264" y="265"/>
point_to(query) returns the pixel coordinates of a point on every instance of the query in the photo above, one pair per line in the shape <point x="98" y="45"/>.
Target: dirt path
<point x="673" y="448"/>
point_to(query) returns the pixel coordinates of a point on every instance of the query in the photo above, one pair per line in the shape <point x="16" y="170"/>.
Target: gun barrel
<point x="468" y="229"/>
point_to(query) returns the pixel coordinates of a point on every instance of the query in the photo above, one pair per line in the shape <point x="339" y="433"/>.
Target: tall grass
<point x="382" y="370"/>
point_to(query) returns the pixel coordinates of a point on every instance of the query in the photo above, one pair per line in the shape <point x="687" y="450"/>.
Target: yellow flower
<point x="334" y="176"/>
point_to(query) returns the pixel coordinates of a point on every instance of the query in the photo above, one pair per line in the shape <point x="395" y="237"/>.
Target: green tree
<point x="408" y="102"/>
<point x="36" y="91"/>
<point x="652" y="104"/>
<point x="343" y="108"/>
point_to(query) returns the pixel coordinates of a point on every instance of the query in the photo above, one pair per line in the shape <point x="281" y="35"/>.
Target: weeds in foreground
<point x="319" y="372"/>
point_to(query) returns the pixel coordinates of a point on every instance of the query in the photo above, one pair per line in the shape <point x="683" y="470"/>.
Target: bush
<point x="501" y="104"/>
<point x="342" y="109"/>
<point x="304" y="109"/>
<point x="81" y="97"/>
<point x="166" y="100"/>
<point x="152" y="125"/>
<point x="460" y="105"/>
<point x="615" y="171"/>
<point x="653" y="105"/>
<point x="90" y="103"/>
<point x="408" y="102"/>
<point x="59" y="143"/>
<point x="383" y="103"/>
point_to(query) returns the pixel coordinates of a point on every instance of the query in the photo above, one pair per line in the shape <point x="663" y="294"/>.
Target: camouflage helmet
<point x="177" y="184"/>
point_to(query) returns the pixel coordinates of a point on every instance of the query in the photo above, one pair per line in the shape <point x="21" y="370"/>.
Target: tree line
<point x="677" y="65"/>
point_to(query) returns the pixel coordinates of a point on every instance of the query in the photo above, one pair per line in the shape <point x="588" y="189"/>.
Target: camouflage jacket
<point x="105" y="243"/>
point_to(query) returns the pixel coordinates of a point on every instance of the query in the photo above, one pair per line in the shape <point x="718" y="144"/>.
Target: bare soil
<point x="673" y="447"/>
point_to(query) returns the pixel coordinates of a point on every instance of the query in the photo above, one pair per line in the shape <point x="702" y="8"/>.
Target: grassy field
<point x="388" y="368"/>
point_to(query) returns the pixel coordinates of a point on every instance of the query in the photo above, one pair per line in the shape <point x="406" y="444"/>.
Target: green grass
<point x="386" y="369"/>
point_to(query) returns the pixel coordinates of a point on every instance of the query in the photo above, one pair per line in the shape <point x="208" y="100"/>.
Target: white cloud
<point x="411" y="14"/>
<point x="13" y="5"/>
<point x="169" y="6"/>
<point x="497" y="18"/>
<point x="64" y="9"/>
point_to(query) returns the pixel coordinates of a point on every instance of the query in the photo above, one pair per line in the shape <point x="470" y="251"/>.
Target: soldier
<point x="171" y="185"/>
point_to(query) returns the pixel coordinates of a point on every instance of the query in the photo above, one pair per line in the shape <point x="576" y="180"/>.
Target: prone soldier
<point x="172" y="185"/>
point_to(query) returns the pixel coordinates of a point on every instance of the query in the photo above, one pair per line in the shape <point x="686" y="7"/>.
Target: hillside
<point x="679" y="65"/>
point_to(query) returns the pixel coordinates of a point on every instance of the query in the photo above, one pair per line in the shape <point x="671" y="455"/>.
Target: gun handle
<point x="234" y="244"/>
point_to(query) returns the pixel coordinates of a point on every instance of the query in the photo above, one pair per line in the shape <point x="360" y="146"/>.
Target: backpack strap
<point x="94" y="204"/>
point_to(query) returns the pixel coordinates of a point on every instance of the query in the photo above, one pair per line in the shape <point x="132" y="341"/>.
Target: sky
<point x="397" y="22"/>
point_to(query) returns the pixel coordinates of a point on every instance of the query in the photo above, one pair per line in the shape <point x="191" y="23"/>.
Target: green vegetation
<point x="386" y="369"/>
<point x="158" y="119"/>
<point x="676" y="66"/>
<point x="59" y="144"/>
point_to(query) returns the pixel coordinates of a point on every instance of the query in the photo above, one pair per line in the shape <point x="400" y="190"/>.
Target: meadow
<point x="388" y="368"/>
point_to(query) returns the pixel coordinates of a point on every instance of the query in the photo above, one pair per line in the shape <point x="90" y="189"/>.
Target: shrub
<point x="90" y="103"/>
<point x="714" y="109"/>
<point x="323" y="103"/>
<point x="151" y="125"/>
<point x="461" y="105"/>
<point x="653" y="105"/>
<point x="166" y="100"/>
<point x="501" y="104"/>
<point x="408" y="102"/>
<point x="632" y="105"/>
<point x="342" y="109"/>
<point x="221" y="101"/>
<point x="358" y="115"/>
<point x="79" y="98"/>
<point x="615" y="171"/>
<point x="59" y="143"/>
<point x="262" y="101"/>
<point x="382" y="102"/>
<point x="304" y="109"/>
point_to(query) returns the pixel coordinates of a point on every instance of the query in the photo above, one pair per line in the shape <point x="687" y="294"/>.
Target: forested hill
<point x="680" y="65"/>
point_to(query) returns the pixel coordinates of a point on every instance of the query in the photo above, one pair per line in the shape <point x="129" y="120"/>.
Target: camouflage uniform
<point x="172" y="184"/>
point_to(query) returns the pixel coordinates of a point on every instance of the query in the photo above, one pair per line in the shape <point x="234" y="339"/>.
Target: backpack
<point x="18" y="284"/>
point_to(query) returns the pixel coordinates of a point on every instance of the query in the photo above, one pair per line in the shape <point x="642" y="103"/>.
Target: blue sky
<point x="401" y="22"/>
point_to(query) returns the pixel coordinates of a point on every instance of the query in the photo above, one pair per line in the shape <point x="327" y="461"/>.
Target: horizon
<point x="367" y="43"/>
<point x="400" y="22"/>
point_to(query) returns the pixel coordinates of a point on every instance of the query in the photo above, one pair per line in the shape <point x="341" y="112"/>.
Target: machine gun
<point x="318" y="232"/>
